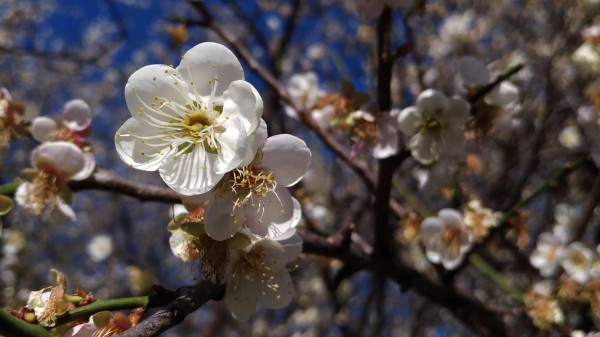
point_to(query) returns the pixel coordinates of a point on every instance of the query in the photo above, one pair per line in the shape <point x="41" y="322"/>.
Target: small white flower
<point x="445" y="238"/>
<point x="570" y="137"/>
<point x="76" y="117"/>
<point x="435" y="125"/>
<point x="474" y="73"/>
<point x="565" y="216"/>
<point x="578" y="261"/>
<point x="191" y="123"/>
<point x="57" y="163"/>
<point x="304" y="91"/>
<point x="255" y="196"/>
<point x="548" y="254"/>
<point x="99" y="248"/>
<point x="258" y="274"/>
<point x="587" y="57"/>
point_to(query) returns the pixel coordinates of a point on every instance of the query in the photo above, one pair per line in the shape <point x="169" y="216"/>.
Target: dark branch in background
<point x="281" y="47"/>
<point x="173" y="314"/>
<point x="108" y="181"/>
<point x="358" y="167"/>
<point x="592" y="202"/>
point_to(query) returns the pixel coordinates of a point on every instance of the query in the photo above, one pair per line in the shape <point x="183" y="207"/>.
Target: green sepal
<point x="239" y="241"/>
<point x="195" y="229"/>
<point x="6" y="204"/>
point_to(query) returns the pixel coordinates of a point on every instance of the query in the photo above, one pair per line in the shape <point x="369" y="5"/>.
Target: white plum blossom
<point x="445" y="238"/>
<point x="57" y="163"/>
<point x="255" y="196"/>
<point x="76" y="117"/>
<point x="192" y="123"/>
<point x="99" y="248"/>
<point x="548" y="254"/>
<point x="474" y="73"/>
<point x="578" y="262"/>
<point x="304" y="91"/>
<point x="259" y="274"/>
<point x="435" y="126"/>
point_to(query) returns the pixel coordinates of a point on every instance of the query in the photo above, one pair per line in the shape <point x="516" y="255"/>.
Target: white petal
<point x="387" y="142"/>
<point x="450" y="217"/>
<point x="287" y="157"/>
<point x="233" y="144"/>
<point x="272" y="214"/>
<point x="293" y="248"/>
<point x="221" y="220"/>
<point x="62" y="158"/>
<point x="142" y="156"/>
<point x="503" y="94"/>
<point x="423" y="147"/>
<point x="409" y="120"/>
<point x="279" y="296"/>
<point x="77" y="115"/>
<point x="192" y="173"/>
<point x="61" y="213"/>
<point x="432" y="103"/>
<point x="430" y="227"/>
<point x="243" y="101"/>
<point x="88" y="168"/>
<point x="151" y="85"/>
<point x="472" y="71"/>
<point x="43" y="128"/>
<point x="207" y="61"/>
<point x="239" y="296"/>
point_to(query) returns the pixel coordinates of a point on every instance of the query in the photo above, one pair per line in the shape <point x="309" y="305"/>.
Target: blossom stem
<point x="567" y="168"/>
<point x="116" y="304"/>
<point x="495" y="276"/>
<point x="486" y="89"/>
<point x="13" y="326"/>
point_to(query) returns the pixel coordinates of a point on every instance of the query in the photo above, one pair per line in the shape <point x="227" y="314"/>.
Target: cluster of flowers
<point x="448" y="236"/>
<point x="200" y="126"/>
<point x="344" y="112"/>
<point x="63" y="155"/>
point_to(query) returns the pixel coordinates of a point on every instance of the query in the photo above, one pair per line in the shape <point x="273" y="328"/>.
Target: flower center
<point x="451" y="239"/>
<point x="43" y="193"/>
<point x="251" y="180"/>
<point x="431" y="124"/>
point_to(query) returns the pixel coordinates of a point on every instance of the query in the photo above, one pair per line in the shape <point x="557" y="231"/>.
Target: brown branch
<point x="358" y="167"/>
<point x="173" y="314"/>
<point x="592" y="202"/>
<point x="108" y="181"/>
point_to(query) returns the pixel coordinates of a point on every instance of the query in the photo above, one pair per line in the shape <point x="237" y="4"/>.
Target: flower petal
<point x="243" y="101"/>
<point x="191" y="173"/>
<point x="43" y="128"/>
<point x="432" y="103"/>
<point x="240" y="296"/>
<point x="270" y="215"/>
<point x="287" y="157"/>
<point x="222" y="220"/>
<point x="60" y="158"/>
<point x="430" y="227"/>
<point x="409" y="120"/>
<point x="207" y="61"/>
<point x="503" y="94"/>
<point x="233" y="144"/>
<point x="77" y="115"/>
<point x="472" y="71"/>
<point x="138" y="145"/>
<point x="153" y="91"/>
<point x="88" y="169"/>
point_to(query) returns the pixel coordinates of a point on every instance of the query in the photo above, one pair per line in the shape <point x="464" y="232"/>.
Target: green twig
<point x="116" y="304"/>
<point x="495" y="276"/>
<point x="11" y="326"/>
<point x="567" y="168"/>
<point x="486" y="89"/>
